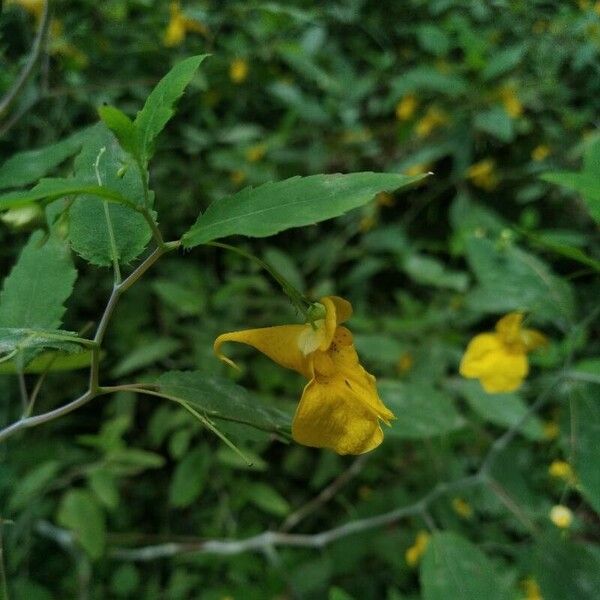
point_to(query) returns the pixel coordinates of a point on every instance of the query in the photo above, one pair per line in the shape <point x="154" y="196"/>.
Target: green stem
<point x="299" y="300"/>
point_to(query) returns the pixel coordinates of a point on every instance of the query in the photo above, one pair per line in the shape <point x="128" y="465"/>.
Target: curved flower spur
<point x="340" y="408"/>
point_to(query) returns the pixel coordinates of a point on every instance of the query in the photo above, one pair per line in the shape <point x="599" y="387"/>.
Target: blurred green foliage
<point x="489" y="96"/>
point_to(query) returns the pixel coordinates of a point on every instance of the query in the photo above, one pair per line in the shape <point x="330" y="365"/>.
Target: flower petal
<point x="509" y="327"/>
<point x="533" y="339"/>
<point x="498" y="368"/>
<point x="329" y="416"/>
<point x="279" y="343"/>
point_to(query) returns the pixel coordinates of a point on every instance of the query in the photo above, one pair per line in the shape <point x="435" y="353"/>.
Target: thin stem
<point x="36" y="52"/>
<point x="298" y="299"/>
<point x="156" y="234"/>
<point x="23" y="391"/>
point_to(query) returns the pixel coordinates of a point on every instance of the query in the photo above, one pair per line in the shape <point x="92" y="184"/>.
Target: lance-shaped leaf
<point x="48" y="362"/>
<point x="273" y="207"/>
<point x="160" y="105"/>
<point x="220" y="398"/>
<point x="27" y="167"/>
<point x="55" y="188"/>
<point x="22" y="338"/>
<point x="99" y="230"/>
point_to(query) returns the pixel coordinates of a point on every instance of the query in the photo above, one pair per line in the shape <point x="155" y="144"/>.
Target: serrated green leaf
<point x="54" y="189"/>
<point x="91" y="219"/>
<point x="160" y="105"/>
<point x="34" y="293"/>
<point x="27" y="167"/>
<point x="122" y="127"/>
<point x="454" y="568"/>
<point x="276" y="206"/>
<point x="222" y="399"/>
<point x="505" y="410"/>
<point x="585" y="413"/>
<point x="80" y="512"/>
<point x="20" y="338"/>
<point x="421" y="410"/>
<point x="189" y="477"/>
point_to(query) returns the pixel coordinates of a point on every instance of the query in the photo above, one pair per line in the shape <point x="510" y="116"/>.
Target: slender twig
<point x="94" y="388"/>
<point x="26" y="72"/>
<point x="325" y="495"/>
<point x="23" y="390"/>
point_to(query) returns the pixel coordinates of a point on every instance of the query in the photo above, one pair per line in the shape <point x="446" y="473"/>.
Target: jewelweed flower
<point x="238" y="70"/>
<point x="551" y="430"/>
<point x="179" y="25"/>
<point x="483" y="174"/>
<point x="499" y="359"/>
<point x="462" y="508"/>
<point x="33" y="7"/>
<point x="531" y="589"/>
<point x="340" y="408"/>
<point x="406" y="108"/>
<point x="256" y="152"/>
<point x="414" y="553"/>
<point x="510" y="101"/>
<point x="561" y="470"/>
<point x="561" y="516"/>
<point x="540" y="152"/>
<point x="432" y="119"/>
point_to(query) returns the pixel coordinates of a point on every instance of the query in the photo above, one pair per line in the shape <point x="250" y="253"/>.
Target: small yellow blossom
<point x="532" y="589"/>
<point x="561" y="470"/>
<point x="539" y="27"/>
<point x="405" y="363"/>
<point x="238" y="70"/>
<point x="414" y="553"/>
<point x="237" y="177"/>
<point x="551" y="430"/>
<point x="385" y="199"/>
<point x="340" y="408"/>
<point x="432" y="119"/>
<point x="510" y="101"/>
<point x="417" y="169"/>
<point x="405" y="109"/>
<point x="256" y="152"/>
<point x="367" y="223"/>
<point x="462" y="508"/>
<point x="483" y="174"/>
<point x="540" y="152"/>
<point x="499" y="359"/>
<point x="561" y="516"/>
<point x="179" y="25"/>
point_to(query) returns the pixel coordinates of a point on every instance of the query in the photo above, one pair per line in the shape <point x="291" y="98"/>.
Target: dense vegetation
<point x="176" y="476"/>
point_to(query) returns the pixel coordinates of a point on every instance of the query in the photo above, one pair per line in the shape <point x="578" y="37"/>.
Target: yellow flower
<point x="483" y="174"/>
<point x="499" y="359"/>
<point x="179" y="25"/>
<point x="462" y="508"/>
<point x="256" y="152"/>
<point x="561" y="516"/>
<point x="238" y="70"/>
<point x="510" y="100"/>
<point x="405" y="109"/>
<point x="237" y="177"/>
<point x="367" y="223"/>
<point x="385" y="199"/>
<point x="561" y="470"/>
<point x="432" y="119"/>
<point x="340" y="408"/>
<point x="531" y="589"/>
<point x="417" y="169"/>
<point x="405" y="363"/>
<point x="414" y="553"/>
<point x="551" y="430"/>
<point x="540" y="152"/>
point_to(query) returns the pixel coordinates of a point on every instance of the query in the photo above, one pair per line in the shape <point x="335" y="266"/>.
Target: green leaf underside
<point x="54" y="189"/>
<point x="276" y="206"/>
<point x="454" y="568"/>
<point x="27" y="167"/>
<point x="160" y="104"/>
<point x="222" y="399"/>
<point x="89" y="233"/>
<point x="50" y="362"/>
<point x="421" y="410"/>
<point x="13" y="338"/>
<point x="34" y="293"/>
